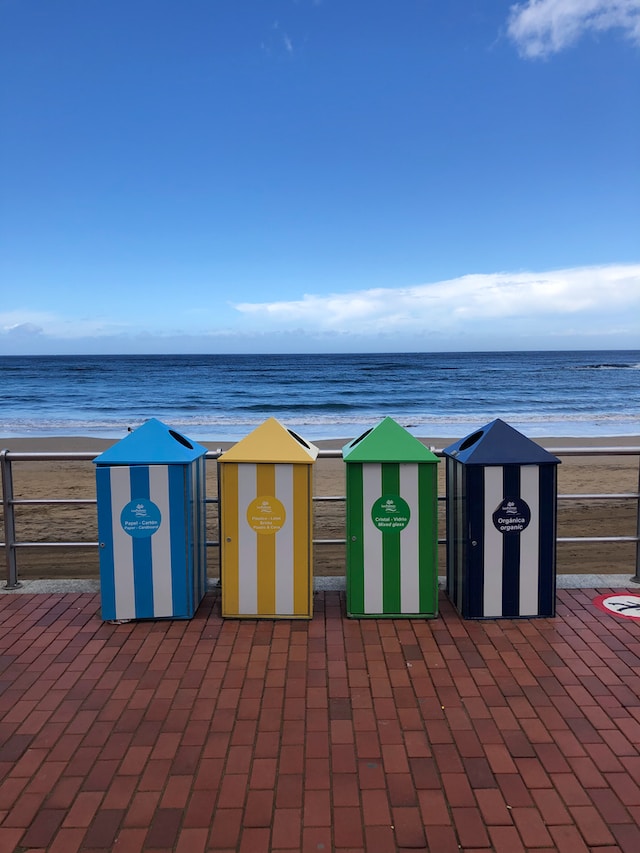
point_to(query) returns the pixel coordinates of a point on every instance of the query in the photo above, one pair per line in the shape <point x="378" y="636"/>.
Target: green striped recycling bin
<point x="392" y="524"/>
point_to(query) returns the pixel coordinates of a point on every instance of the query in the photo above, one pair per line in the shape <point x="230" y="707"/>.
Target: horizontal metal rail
<point x="47" y="501"/>
<point x="597" y="539"/>
<point x="9" y="502"/>
<point x="54" y="544"/>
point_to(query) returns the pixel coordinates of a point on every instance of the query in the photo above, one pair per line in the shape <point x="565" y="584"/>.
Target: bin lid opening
<point x="183" y="441"/>
<point x="387" y="442"/>
<point x="273" y="443"/>
<point x="360" y="437"/>
<point x="471" y="440"/>
<point x="498" y="443"/>
<point x="152" y="443"/>
<point x="299" y="439"/>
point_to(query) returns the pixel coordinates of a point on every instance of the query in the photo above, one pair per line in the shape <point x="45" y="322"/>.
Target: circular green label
<point x="390" y="513"/>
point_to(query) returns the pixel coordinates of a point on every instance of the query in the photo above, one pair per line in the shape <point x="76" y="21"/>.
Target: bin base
<point x="392" y="615"/>
<point x="269" y="616"/>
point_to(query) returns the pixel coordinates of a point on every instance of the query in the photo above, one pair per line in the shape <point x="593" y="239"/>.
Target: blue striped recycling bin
<point x="152" y="525"/>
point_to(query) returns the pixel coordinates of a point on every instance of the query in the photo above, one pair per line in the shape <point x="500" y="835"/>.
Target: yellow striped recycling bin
<point x="392" y="529"/>
<point x="266" y="525"/>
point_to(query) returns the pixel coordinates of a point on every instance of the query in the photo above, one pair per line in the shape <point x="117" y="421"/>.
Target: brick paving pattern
<point x="331" y="735"/>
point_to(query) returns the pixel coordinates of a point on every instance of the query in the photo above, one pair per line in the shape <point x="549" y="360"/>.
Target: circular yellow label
<point x="266" y="514"/>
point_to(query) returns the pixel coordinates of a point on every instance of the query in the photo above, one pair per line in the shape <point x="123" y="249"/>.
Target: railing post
<point x="636" y="577"/>
<point x="9" y="521"/>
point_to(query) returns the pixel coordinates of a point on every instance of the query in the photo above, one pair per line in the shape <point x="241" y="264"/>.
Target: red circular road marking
<point x="626" y="605"/>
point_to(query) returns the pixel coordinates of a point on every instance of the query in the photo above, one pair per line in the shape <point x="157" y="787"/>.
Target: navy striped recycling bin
<point x="501" y="525"/>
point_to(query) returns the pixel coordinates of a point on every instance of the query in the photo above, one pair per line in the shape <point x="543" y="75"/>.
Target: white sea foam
<point x="216" y="398"/>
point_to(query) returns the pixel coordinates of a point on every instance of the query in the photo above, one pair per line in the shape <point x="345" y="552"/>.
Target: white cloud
<point x="584" y="295"/>
<point x="542" y="27"/>
<point x="584" y="307"/>
<point x="24" y="330"/>
<point x="29" y="323"/>
<point x="24" y="322"/>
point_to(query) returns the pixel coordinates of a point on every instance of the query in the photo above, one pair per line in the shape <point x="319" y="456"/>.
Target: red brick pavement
<point x="330" y="735"/>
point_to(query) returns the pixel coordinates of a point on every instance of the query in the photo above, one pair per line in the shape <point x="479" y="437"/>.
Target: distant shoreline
<point x="79" y="443"/>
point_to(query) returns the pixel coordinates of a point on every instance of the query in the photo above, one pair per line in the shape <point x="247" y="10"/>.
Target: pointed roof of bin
<point x="152" y="443"/>
<point x="271" y="442"/>
<point x="387" y="442"/>
<point x="497" y="443"/>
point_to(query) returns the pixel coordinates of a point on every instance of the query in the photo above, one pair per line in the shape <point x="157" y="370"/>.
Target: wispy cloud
<point x="586" y="294"/>
<point x="277" y="40"/>
<point x="598" y="306"/>
<point x="542" y="27"/>
<point x="27" y="324"/>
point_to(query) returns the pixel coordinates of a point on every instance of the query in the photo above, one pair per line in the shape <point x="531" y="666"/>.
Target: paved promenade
<point x="331" y="735"/>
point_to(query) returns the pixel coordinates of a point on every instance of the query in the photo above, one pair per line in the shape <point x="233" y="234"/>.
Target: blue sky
<point x="319" y="175"/>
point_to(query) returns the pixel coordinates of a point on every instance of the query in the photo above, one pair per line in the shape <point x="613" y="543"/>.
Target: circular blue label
<point x="140" y="518"/>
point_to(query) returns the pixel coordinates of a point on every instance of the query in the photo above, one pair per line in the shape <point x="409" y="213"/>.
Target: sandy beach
<point x="61" y="479"/>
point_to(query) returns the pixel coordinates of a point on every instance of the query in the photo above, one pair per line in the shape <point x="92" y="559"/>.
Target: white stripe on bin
<point x="123" y="577"/>
<point x="372" y="545"/>
<point x="529" y="542"/>
<point x="247" y="541"/>
<point x="409" y="543"/>
<point x="285" y="569"/>
<point x="493" y="543"/>
<point x="161" y="570"/>
<point x="461" y="544"/>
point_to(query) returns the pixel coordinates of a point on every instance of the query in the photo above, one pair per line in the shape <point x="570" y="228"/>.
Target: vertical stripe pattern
<point x="410" y="542"/>
<point x="152" y="576"/>
<point x="494" y="574"/>
<point x="199" y="531"/>
<point x="391" y="572"/>
<point x="373" y="579"/>
<point x="457" y="532"/>
<point x="161" y="602"/>
<point x="493" y="543"/>
<point x="266" y="574"/>
<point x="528" y="603"/>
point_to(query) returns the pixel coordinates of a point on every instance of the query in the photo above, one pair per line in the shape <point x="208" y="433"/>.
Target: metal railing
<point x="9" y="502"/>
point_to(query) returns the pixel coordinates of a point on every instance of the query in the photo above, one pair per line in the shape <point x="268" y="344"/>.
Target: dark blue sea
<point x="223" y="397"/>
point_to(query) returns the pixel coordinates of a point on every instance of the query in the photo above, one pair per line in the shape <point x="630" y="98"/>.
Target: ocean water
<point x="223" y="397"/>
